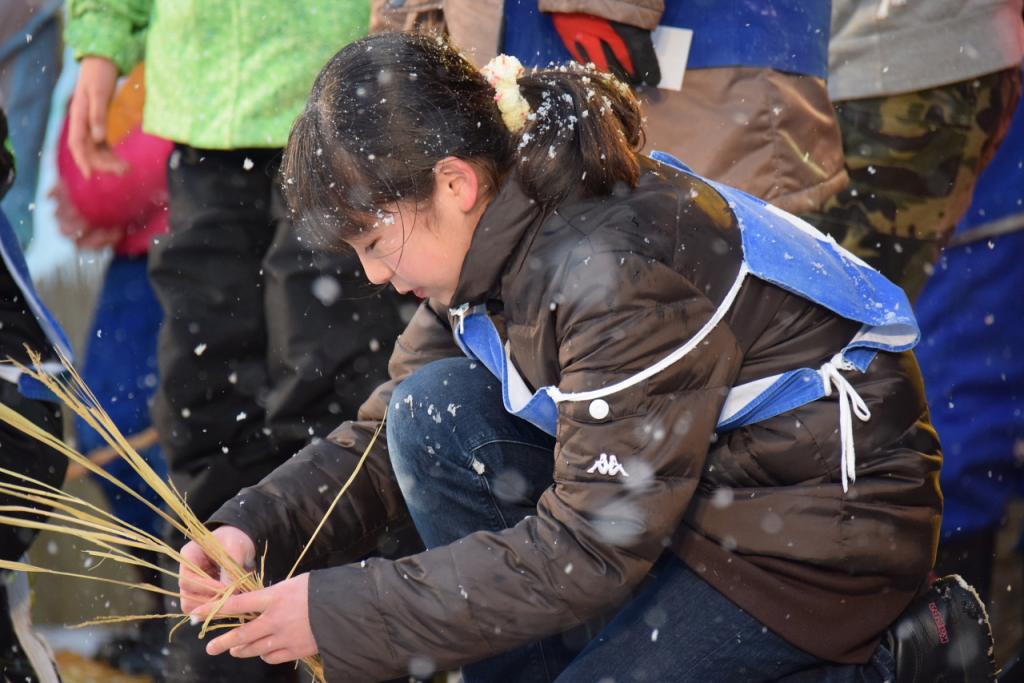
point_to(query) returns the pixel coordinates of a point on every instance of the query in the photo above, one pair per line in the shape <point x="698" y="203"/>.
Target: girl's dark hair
<point x="388" y="107"/>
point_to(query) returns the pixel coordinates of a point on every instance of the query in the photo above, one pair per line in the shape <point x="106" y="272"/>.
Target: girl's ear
<point x="457" y="181"/>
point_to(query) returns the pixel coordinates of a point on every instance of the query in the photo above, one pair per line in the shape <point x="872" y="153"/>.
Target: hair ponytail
<point x="583" y="134"/>
<point x="387" y="108"/>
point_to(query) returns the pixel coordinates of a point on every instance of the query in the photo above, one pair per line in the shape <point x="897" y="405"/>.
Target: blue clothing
<point x="14" y="259"/>
<point x="486" y="470"/>
<point x="33" y="54"/>
<point x="971" y="354"/>
<point x="973" y="364"/>
<point x="31" y="321"/>
<point x="120" y="368"/>
<point x="786" y="35"/>
<point x="120" y="353"/>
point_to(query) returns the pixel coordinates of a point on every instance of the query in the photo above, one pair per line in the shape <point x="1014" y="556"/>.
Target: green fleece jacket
<point x="223" y="74"/>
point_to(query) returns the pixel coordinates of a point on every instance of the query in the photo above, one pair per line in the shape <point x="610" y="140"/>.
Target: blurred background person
<point x="266" y="339"/>
<point x="24" y="321"/>
<point x="30" y="63"/>
<point x="924" y="92"/>
<point x="973" y="366"/>
<point x="748" y="105"/>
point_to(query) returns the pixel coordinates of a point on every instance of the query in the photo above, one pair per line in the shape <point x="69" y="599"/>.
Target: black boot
<point x="943" y="637"/>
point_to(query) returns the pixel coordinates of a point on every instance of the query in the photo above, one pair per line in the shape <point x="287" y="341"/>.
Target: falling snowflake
<point x="326" y="289"/>
<point x="722" y="498"/>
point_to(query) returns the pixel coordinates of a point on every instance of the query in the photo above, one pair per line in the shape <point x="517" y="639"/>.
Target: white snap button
<point x="599" y="409"/>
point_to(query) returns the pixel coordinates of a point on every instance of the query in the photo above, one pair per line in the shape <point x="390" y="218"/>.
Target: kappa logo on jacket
<point x="608" y="464"/>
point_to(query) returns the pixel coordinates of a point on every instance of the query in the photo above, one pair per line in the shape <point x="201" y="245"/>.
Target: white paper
<point x="672" y="45"/>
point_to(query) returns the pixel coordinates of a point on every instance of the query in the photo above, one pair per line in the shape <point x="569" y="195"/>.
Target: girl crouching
<point x="632" y="401"/>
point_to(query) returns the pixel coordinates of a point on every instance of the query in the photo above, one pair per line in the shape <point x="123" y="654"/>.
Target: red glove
<point x="626" y="51"/>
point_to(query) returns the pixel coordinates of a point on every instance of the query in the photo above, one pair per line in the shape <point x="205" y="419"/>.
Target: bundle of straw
<point x="114" y="539"/>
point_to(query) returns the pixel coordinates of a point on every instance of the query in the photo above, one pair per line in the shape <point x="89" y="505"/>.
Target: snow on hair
<point x="387" y="108"/>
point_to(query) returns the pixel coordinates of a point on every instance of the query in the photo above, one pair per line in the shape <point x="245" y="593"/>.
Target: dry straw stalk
<point x="48" y="508"/>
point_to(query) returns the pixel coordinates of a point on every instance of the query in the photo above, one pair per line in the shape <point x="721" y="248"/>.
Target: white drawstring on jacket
<point x="850" y="403"/>
<point x="460" y="315"/>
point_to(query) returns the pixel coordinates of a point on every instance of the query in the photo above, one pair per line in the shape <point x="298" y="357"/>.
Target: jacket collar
<point x="507" y="218"/>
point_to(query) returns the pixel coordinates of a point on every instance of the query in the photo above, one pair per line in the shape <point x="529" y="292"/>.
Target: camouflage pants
<point x="913" y="161"/>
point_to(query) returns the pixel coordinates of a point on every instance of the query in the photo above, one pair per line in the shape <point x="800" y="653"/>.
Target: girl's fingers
<point x="187" y="605"/>
<point x="194" y="554"/>
<point x="238" y="545"/>
<point x="241" y="637"/>
<point x="198" y="593"/>
<point x="255" y="602"/>
<point x="197" y="589"/>
<point x="190" y="601"/>
<point x="257" y="648"/>
<point x="193" y="601"/>
<point x="191" y="582"/>
<point x="279" y="657"/>
<point x="197" y="557"/>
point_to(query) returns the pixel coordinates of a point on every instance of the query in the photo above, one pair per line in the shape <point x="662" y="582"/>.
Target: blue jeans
<point x="464" y="464"/>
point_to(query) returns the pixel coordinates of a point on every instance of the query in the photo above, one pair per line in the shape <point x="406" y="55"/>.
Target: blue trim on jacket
<point x="14" y="261"/>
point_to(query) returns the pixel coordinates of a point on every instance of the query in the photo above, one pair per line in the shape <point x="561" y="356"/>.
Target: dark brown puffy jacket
<point x="587" y="296"/>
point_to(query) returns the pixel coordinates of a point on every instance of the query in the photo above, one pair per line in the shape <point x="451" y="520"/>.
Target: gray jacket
<point x="880" y="47"/>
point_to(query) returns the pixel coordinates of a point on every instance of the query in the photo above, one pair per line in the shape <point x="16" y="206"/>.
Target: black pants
<point x="266" y="342"/>
<point x="23" y="454"/>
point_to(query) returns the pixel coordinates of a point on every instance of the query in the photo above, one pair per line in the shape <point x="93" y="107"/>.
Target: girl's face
<point x="420" y="249"/>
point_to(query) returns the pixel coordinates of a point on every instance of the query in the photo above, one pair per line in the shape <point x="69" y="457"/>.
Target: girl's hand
<point x="281" y="633"/>
<point x="199" y="589"/>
